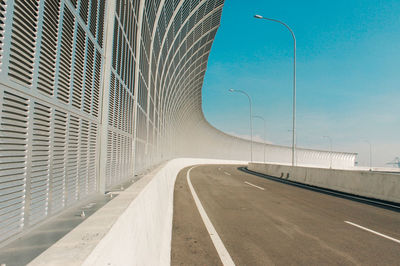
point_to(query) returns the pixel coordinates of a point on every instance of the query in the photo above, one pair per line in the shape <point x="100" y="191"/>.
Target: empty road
<point x="264" y="222"/>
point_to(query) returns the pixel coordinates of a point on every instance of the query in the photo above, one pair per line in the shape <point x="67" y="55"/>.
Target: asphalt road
<point x="264" y="222"/>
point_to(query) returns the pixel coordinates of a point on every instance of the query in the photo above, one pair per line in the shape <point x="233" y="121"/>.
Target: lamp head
<point x="258" y="16"/>
<point x="231" y="90"/>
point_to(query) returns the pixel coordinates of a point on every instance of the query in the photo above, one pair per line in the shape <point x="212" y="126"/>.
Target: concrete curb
<point x="132" y="229"/>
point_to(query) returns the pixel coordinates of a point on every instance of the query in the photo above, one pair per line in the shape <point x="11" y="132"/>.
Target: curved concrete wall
<point x="94" y="91"/>
<point x="115" y="236"/>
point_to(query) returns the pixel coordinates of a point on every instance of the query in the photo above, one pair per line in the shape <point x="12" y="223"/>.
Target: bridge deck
<point x="263" y="222"/>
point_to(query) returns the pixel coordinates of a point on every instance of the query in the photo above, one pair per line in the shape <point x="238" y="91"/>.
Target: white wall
<point x="135" y="228"/>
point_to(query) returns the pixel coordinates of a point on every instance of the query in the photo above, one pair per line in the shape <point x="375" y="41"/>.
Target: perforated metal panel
<point x="2" y="26"/>
<point x="120" y="129"/>
<point x="13" y="153"/>
<point x="50" y="90"/>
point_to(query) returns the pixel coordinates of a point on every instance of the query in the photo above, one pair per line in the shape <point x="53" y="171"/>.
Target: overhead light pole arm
<point x="280" y="22"/>
<point x="294" y="82"/>
<point x="251" y="122"/>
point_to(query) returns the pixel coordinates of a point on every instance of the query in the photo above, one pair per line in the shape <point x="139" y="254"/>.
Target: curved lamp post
<point x="294" y="82"/>
<point x="251" y="123"/>
<point x="260" y="117"/>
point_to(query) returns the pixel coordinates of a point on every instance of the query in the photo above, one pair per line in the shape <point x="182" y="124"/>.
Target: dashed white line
<point x="374" y="232"/>
<point x="227" y="173"/>
<point x="248" y="183"/>
<point x="218" y="244"/>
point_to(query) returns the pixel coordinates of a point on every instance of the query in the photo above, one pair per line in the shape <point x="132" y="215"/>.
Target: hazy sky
<point x="348" y="73"/>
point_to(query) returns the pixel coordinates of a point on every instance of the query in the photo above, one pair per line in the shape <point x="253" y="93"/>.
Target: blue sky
<point x="348" y="74"/>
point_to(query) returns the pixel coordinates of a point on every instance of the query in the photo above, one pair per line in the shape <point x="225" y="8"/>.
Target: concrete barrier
<point x="135" y="228"/>
<point x="377" y="185"/>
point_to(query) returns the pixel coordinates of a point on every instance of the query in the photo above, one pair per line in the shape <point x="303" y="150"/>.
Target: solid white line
<point x="227" y="173"/>
<point x="218" y="244"/>
<point x="254" y="185"/>
<point x="374" y="232"/>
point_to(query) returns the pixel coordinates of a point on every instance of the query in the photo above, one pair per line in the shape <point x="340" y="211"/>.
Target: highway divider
<point x="135" y="228"/>
<point x="377" y="185"/>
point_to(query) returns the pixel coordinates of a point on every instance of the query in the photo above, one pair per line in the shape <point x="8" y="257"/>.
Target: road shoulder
<point x="191" y="243"/>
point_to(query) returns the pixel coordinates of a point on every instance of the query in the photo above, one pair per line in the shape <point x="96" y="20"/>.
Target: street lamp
<point x="296" y="158"/>
<point x="370" y="155"/>
<point x="251" y="123"/>
<point x="330" y="142"/>
<point x="294" y="82"/>
<point x="260" y="117"/>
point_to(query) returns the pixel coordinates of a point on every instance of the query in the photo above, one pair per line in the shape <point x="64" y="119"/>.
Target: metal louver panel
<point x="23" y="41"/>
<point x="72" y="160"/>
<point x="83" y="158"/>
<point x="117" y="109"/>
<point x="50" y="100"/>
<point x="96" y="85"/>
<point x="111" y="100"/>
<point x="40" y="175"/>
<point x="74" y="3"/>
<point x="93" y="157"/>
<point x="48" y="52"/>
<point x="59" y="161"/>
<point x="84" y="10"/>
<point x="100" y="29"/>
<point x="79" y="68"/>
<point x="67" y="35"/>
<point x="2" y="28"/>
<point x="13" y="162"/>
<point x="87" y="96"/>
<point x="115" y="44"/>
<point x="93" y="17"/>
<point x="109" y="163"/>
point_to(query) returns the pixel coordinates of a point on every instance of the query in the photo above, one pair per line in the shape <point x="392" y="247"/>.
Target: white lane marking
<point x="227" y="173"/>
<point x="254" y="185"/>
<point x="218" y="244"/>
<point x="219" y="168"/>
<point x="374" y="232"/>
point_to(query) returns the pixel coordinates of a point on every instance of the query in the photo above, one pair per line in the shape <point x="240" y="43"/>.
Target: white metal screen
<point x="94" y="91"/>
